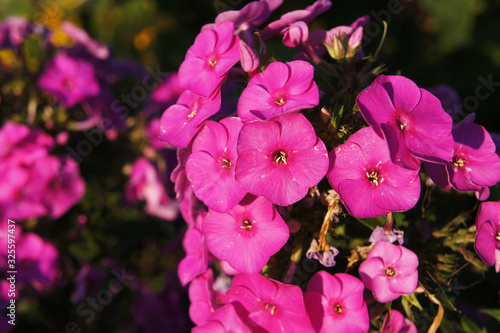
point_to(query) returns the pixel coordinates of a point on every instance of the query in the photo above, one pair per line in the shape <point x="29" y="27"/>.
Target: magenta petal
<point x="390" y="253"/>
<point x="397" y="146"/>
<point x="357" y="198"/>
<point x="369" y="269"/>
<point x="255" y="133"/>
<point x="312" y="165"/>
<point x="301" y="76"/>
<point x="403" y="92"/>
<point x="376" y="107"/>
<point x="381" y="290"/>
<point x="485" y="174"/>
<point x="485" y="243"/>
<point x="488" y="211"/>
<point x="406" y="285"/>
<point x="438" y="174"/>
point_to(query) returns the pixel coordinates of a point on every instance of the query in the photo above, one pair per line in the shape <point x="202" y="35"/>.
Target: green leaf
<point x="469" y="326"/>
<point x="495" y="313"/>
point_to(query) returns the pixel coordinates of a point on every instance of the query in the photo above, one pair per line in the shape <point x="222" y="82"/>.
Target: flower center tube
<point x="373" y="177"/>
<point x="68" y="84"/>
<point x="279" y="157"/>
<point x="246" y="224"/>
<point x="390" y="272"/>
<point x="212" y="60"/>
<point x="402" y="122"/>
<point x="338" y="308"/>
<point x="458" y="162"/>
<point x="226" y="163"/>
<point x="271" y="308"/>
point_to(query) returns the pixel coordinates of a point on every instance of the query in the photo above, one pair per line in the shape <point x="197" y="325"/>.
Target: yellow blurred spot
<point x="144" y="38"/>
<point x="61" y="39"/>
<point x="7" y="57"/>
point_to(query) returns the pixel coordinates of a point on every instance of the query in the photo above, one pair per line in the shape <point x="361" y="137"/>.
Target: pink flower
<point x="225" y="319"/>
<point x="335" y="303"/>
<point x="248" y="58"/>
<point x="389" y="271"/>
<point x="37" y="261"/>
<point x="196" y="260"/>
<point x="211" y="166"/>
<point x="153" y="134"/>
<point x="269" y="305"/>
<point x="181" y="121"/>
<point x="83" y="40"/>
<point x="474" y="164"/>
<point x="281" y="88"/>
<point x="367" y="181"/>
<point x="69" y="80"/>
<point x="209" y="59"/>
<point x="352" y="33"/>
<point x="487" y="242"/>
<point x="145" y="184"/>
<point x="295" y="34"/>
<point x="395" y="322"/>
<point x="247" y="236"/>
<point x="58" y="182"/>
<point x="204" y="299"/>
<point x="280" y="159"/>
<point x="14" y="30"/>
<point x="306" y="15"/>
<point x="411" y="120"/>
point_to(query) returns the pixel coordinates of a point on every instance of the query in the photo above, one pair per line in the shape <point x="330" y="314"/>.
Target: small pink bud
<point x="325" y="115"/>
<point x="295" y="34"/>
<point x="249" y="60"/>
<point x="62" y="138"/>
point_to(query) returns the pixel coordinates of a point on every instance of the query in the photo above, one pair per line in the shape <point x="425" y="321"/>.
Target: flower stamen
<point x="372" y="177"/>
<point x="280" y="102"/>
<point x="338" y="308"/>
<point x="246" y="225"/>
<point x="271" y="307"/>
<point x="458" y="162"/>
<point x="226" y="163"/>
<point x="389" y="271"/>
<point x="279" y="157"/>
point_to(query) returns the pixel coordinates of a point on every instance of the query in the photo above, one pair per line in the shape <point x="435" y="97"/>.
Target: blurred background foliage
<point x="433" y="42"/>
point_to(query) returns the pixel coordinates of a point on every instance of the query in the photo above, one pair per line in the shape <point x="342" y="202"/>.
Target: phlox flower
<point x="389" y="236"/>
<point x="335" y="303"/>
<point x="58" y="182"/>
<point x="181" y="121"/>
<point x="281" y="88"/>
<point x="247" y="18"/>
<point x="204" y="299"/>
<point x="145" y="184"/>
<point x="269" y="305"/>
<point x="196" y="260"/>
<point x="211" y="166"/>
<point x="474" y="164"/>
<point x="280" y="159"/>
<point x="209" y="59"/>
<point x="81" y="41"/>
<point x="411" y="120"/>
<point x="367" y="181"/>
<point x="305" y="15"/>
<point x="69" y="80"/>
<point x="88" y="282"/>
<point x="225" y="320"/>
<point x="487" y="243"/>
<point x="247" y="236"/>
<point x="389" y="271"/>
<point x="14" y="30"/>
<point x="37" y="261"/>
<point x="295" y="34"/>
<point x="395" y="322"/>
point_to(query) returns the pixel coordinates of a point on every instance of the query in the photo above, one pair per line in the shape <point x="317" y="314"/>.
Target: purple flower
<point x="13" y="31"/>
<point x="280" y="159"/>
<point x="389" y="271"/>
<point x="209" y="59"/>
<point x="247" y="236"/>
<point x="280" y="89"/>
<point x="335" y="303"/>
<point x="367" y="181"/>
<point x="474" y="164"/>
<point x="487" y="242"/>
<point x="325" y="257"/>
<point x="211" y="166"/>
<point x="88" y="282"/>
<point x="395" y="322"/>
<point x="411" y="120"/>
<point x="269" y="305"/>
<point x="181" y="121"/>
<point x="250" y="16"/>
<point x="69" y="80"/>
<point x="380" y="234"/>
<point x="306" y="15"/>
